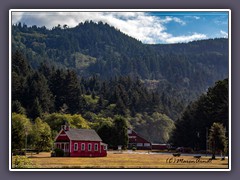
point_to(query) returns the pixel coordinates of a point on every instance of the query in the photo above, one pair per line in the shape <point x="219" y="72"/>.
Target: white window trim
<point x="75" y="147"/>
<point x="89" y="147"/>
<point x="104" y="147"/>
<point x="95" y="145"/>
<point x="83" y="146"/>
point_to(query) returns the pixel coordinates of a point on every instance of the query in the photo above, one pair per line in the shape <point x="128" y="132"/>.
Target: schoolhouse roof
<point x="83" y="135"/>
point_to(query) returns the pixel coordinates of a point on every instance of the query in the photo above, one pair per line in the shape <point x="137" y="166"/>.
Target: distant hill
<point x="178" y="72"/>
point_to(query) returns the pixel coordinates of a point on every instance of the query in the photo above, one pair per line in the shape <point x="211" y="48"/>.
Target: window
<point x="89" y="147"/>
<point x="95" y="147"/>
<point x="75" y="146"/>
<point x="105" y="147"/>
<point x="83" y="147"/>
<point x="146" y="144"/>
<point x="66" y="147"/>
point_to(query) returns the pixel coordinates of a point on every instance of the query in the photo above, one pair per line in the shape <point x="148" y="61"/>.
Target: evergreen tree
<point x="217" y="139"/>
<point x="36" y="110"/>
<point x="57" y="87"/>
<point x="120" y="129"/>
<point x="38" y="88"/>
<point x="106" y="131"/>
<point x="17" y="107"/>
<point x="191" y="127"/>
<point x="20" y="65"/>
<point x="20" y="71"/>
<point x="72" y="92"/>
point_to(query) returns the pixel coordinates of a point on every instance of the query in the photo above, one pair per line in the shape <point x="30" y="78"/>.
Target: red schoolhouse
<point x="80" y="143"/>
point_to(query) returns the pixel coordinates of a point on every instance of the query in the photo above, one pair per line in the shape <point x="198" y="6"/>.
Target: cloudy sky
<point x="148" y="27"/>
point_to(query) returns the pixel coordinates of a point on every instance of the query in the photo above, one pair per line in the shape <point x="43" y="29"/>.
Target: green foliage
<point x="78" y="121"/>
<point x="17" y="107"/>
<point x="156" y="127"/>
<point x="97" y="48"/>
<point x="106" y="132"/>
<point x="134" y="148"/>
<point x="98" y="72"/>
<point x="37" y="87"/>
<point x="217" y="139"/>
<point x="55" y="121"/>
<point x="21" y="127"/>
<point x="83" y="61"/>
<point x="113" y="131"/>
<point x="22" y="162"/>
<point x="58" y="152"/>
<point x="120" y="128"/>
<point x="36" y="110"/>
<point x="210" y="108"/>
<point x="41" y="136"/>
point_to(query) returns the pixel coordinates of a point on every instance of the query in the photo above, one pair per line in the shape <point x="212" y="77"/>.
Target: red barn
<point x="135" y="140"/>
<point x="80" y="143"/>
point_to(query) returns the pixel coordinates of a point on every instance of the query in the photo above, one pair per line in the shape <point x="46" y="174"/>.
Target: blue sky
<point x="148" y="27"/>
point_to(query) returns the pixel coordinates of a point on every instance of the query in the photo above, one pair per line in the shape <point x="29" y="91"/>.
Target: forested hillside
<point x="106" y="77"/>
<point x="194" y="125"/>
<point x="179" y="72"/>
<point x="46" y="90"/>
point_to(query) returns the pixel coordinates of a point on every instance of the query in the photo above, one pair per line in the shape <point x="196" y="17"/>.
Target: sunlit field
<point x="126" y="160"/>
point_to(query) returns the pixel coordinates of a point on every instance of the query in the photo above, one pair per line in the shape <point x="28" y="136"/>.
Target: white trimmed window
<point x="75" y="146"/>
<point x="89" y="147"/>
<point x="105" y="147"/>
<point x="95" y="147"/>
<point x="83" y="147"/>
<point x="146" y="144"/>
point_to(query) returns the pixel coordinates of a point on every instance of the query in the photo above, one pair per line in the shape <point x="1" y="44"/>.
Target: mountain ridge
<point x="183" y="70"/>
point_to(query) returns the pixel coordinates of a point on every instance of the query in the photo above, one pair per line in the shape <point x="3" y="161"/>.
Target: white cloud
<point x="221" y="20"/>
<point x="17" y="16"/>
<point x="174" y="19"/>
<point x="196" y="17"/>
<point x="193" y="17"/>
<point x="193" y="37"/>
<point x="142" y="26"/>
<point x="224" y="34"/>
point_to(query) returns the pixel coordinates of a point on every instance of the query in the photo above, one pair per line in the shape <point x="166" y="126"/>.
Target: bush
<point x="58" y="152"/>
<point x="134" y="148"/>
<point x="22" y="162"/>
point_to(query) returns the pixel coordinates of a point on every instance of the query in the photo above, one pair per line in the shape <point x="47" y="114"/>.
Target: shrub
<point x="22" y="162"/>
<point x="59" y="152"/>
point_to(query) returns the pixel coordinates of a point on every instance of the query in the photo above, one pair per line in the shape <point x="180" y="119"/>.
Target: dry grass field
<point x="125" y="160"/>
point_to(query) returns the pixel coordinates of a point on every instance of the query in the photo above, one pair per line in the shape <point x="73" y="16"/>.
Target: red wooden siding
<point x="62" y="137"/>
<point x="137" y="141"/>
<point x="80" y="148"/>
<point x="86" y="152"/>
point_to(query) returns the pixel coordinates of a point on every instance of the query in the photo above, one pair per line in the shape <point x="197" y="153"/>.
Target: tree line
<point x="205" y="122"/>
<point x="179" y="70"/>
<point x="50" y="95"/>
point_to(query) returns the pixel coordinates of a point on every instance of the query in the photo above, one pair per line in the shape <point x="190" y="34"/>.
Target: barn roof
<point x="83" y="134"/>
